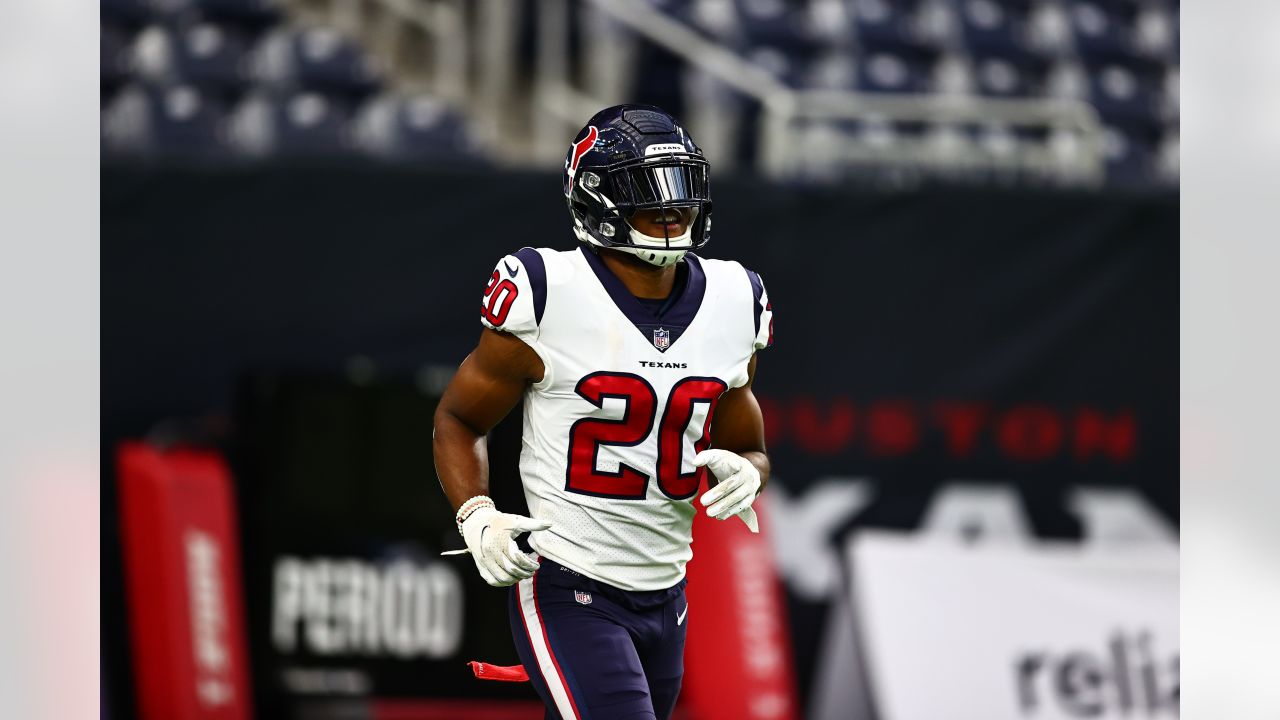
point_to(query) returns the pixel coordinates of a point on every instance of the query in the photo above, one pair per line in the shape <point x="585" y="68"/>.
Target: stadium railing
<point x="472" y="57"/>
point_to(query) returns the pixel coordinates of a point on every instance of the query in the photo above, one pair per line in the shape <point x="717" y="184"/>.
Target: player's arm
<point x="738" y="426"/>
<point x="738" y="462"/>
<point x="487" y="385"/>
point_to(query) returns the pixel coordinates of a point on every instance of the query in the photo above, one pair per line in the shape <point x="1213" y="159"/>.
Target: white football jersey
<point x="625" y="403"/>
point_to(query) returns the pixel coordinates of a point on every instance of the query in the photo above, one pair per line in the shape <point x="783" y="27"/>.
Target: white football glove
<point x="490" y="539"/>
<point x="739" y="483"/>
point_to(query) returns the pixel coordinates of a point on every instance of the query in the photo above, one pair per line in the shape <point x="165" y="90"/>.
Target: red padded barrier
<point x="738" y="658"/>
<point x="182" y="570"/>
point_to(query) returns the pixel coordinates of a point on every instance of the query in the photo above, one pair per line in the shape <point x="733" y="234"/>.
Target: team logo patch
<point x="662" y="339"/>
<point x="578" y="149"/>
<point x="583" y="598"/>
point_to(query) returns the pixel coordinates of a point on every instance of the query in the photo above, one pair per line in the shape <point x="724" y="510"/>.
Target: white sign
<point x="351" y="606"/>
<point x="1027" y="631"/>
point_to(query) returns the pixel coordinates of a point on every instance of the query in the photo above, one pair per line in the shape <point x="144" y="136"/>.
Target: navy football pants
<point x="595" y="652"/>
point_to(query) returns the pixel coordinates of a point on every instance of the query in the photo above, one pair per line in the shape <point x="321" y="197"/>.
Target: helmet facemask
<point x="668" y="248"/>
<point x="663" y="182"/>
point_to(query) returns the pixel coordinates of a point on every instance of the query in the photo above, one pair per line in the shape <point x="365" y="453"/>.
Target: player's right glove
<point x="490" y="537"/>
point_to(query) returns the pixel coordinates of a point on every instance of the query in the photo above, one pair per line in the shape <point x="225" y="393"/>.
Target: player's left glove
<point x="739" y="484"/>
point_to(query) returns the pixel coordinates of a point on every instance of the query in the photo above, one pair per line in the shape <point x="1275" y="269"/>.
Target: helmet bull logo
<point x="580" y="148"/>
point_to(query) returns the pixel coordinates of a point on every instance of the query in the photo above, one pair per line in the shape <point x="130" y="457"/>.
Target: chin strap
<point x="661" y="258"/>
<point x="653" y="250"/>
<point x="658" y="250"/>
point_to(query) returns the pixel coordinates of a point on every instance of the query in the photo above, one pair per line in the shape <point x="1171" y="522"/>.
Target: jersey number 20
<point x="588" y="434"/>
<point x="498" y="297"/>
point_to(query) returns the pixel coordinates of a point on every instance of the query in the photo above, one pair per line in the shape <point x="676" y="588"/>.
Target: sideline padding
<point x="183" y="579"/>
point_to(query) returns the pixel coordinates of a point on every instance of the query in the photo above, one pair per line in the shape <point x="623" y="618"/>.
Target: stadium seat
<point x="997" y="140"/>
<point x="995" y="28"/>
<point x="1049" y="30"/>
<point x="1155" y="31"/>
<point x="948" y="142"/>
<point x="716" y="18"/>
<point x="779" y="63"/>
<point x="173" y="121"/>
<point x="952" y="75"/>
<point x="1066" y="145"/>
<point x="314" y="59"/>
<point x="152" y="54"/>
<point x="125" y="122"/>
<point x="397" y="127"/>
<point x="296" y="125"/>
<point x="829" y="22"/>
<point x="188" y="122"/>
<point x="876" y="133"/>
<point x="1100" y="31"/>
<point x="1128" y="154"/>
<point x="881" y="25"/>
<point x="893" y="72"/>
<point x="936" y="23"/>
<point x="1000" y="76"/>
<point x="831" y="71"/>
<point x="212" y="56"/>
<point x="778" y="23"/>
<point x="312" y="124"/>
<point x="1124" y="93"/>
<point x="902" y="26"/>
<point x="1067" y="80"/>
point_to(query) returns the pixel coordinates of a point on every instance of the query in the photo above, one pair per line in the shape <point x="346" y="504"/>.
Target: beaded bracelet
<point x="470" y="506"/>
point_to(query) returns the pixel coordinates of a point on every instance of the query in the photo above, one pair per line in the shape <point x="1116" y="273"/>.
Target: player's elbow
<point x="443" y="423"/>
<point x="448" y="425"/>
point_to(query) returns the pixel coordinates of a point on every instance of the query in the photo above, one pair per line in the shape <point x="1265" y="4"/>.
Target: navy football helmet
<point x="637" y="157"/>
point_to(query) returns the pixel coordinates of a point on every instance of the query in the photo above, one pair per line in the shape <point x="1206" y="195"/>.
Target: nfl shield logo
<point x="662" y="339"/>
<point x="583" y="598"/>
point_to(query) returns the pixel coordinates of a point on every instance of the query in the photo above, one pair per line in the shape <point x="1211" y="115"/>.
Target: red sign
<point x="183" y="576"/>
<point x="738" y="657"/>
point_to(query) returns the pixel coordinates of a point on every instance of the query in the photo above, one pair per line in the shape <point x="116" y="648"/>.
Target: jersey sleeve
<point x="763" y="311"/>
<point x="516" y="295"/>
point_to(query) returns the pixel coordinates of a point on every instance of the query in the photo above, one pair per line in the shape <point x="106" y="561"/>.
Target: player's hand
<point x="490" y="537"/>
<point x="737" y="489"/>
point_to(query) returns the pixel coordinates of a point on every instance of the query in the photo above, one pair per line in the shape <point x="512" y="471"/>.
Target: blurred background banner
<point x="1046" y="631"/>
<point x="348" y="596"/>
<point x="966" y="215"/>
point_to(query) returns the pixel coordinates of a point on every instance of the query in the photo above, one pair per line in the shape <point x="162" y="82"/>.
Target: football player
<point x="634" y="358"/>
